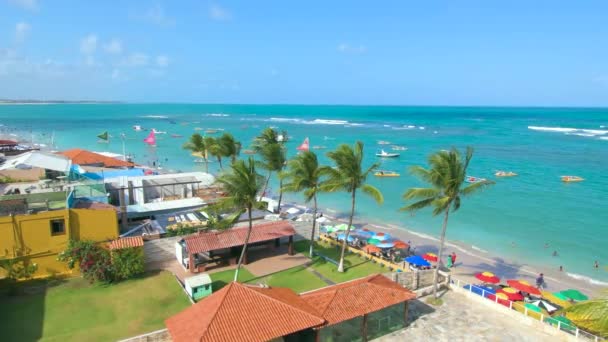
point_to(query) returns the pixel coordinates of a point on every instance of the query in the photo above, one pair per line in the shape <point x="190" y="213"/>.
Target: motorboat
<point x="158" y="132"/>
<point x="137" y="128"/>
<point x="572" y="179"/>
<point x="505" y="174"/>
<point x="471" y="179"/>
<point x="384" y="154"/>
<point x="398" y="148"/>
<point x="383" y="142"/>
<point x="385" y="173"/>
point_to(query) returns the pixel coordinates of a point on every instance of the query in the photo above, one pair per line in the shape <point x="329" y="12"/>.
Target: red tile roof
<point x="8" y="143"/>
<point x="243" y="313"/>
<point x="127" y="242"/>
<point x="205" y="242"/>
<point x="356" y="298"/>
<point x="84" y="157"/>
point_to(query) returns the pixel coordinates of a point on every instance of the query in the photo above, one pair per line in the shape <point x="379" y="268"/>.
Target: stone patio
<point x="460" y="319"/>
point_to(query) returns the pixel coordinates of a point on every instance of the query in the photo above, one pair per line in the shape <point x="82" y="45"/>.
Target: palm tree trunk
<point x="350" y="223"/>
<point x="238" y="266"/>
<point x="440" y="254"/>
<point x="280" y="193"/>
<point x="314" y="223"/>
<point x="266" y="184"/>
<point x="219" y="160"/>
<point x="206" y="165"/>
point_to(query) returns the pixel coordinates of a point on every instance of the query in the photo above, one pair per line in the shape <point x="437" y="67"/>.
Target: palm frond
<point x="474" y="187"/>
<point x="420" y="193"/>
<point x="373" y="192"/>
<point x="590" y="315"/>
<point x="418" y="205"/>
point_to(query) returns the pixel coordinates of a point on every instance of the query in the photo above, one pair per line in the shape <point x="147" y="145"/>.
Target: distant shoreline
<point x="40" y="102"/>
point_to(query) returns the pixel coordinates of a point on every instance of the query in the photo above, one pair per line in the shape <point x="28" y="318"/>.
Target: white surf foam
<point x="478" y="249"/>
<point x="154" y="116"/>
<point x="328" y="122"/>
<point x="587" y="279"/>
<point x="604" y="138"/>
<point x="552" y="129"/>
<point x="217" y="115"/>
<point x="285" y="120"/>
<point x="581" y="132"/>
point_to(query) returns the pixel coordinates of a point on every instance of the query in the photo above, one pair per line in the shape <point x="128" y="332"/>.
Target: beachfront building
<point x="198" y="252"/>
<point x="357" y="310"/>
<point x="12" y="148"/>
<point x="39" y="238"/>
<point x="87" y="158"/>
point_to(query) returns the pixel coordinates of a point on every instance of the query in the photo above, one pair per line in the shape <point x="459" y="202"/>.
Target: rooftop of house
<point x="84" y="157"/>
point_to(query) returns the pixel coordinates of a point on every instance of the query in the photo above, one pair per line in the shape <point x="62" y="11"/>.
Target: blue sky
<point x="310" y="52"/>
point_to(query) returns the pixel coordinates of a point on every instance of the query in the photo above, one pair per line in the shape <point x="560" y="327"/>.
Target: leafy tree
<point x="591" y="315"/>
<point x="446" y="176"/>
<point x="349" y="176"/>
<point x="304" y="174"/>
<point x="230" y="147"/>
<point x="127" y="263"/>
<point x="93" y="260"/>
<point x="197" y="145"/>
<point x="241" y="184"/>
<point x="273" y="160"/>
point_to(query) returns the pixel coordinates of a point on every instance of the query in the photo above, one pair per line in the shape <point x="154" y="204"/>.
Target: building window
<point x="58" y="227"/>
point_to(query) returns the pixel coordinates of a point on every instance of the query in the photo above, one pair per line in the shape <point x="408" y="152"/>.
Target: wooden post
<point x="290" y="249"/>
<point x="364" y="329"/>
<point x="405" y="308"/>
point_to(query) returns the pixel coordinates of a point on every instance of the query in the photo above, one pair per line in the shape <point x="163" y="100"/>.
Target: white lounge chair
<point x="193" y="217"/>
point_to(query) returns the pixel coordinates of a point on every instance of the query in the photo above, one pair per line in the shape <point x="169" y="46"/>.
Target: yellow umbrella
<point x="553" y="299"/>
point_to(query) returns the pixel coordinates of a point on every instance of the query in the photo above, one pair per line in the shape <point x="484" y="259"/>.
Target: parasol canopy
<point x="371" y="249"/>
<point x="342" y="235"/>
<point x="533" y="307"/>
<point x="543" y="304"/>
<point x="373" y="241"/>
<point x="362" y="233"/>
<point x="511" y="293"/>
<point x="385" y="245"/>
<point x="417" y="260"/>
<point x="523" y="286"/>
<point x="554" y="298"/>
<point x="503" y="299"/>
<point x="574" y="295"/>
<point x="400" y="244"/>
<point x="488" y="277"/>
<point x="430" y="257"/>
<point x="342" y="226"/>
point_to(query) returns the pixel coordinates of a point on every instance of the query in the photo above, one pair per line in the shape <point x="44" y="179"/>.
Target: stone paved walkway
<point x="459" y="319"/>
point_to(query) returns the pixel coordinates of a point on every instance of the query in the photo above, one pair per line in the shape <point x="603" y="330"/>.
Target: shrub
<point x="127" y="263"/>
<point x="93" y="260"/>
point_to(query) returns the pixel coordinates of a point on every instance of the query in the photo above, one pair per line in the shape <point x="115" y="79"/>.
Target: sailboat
<point x="104" y="138"/>
<point x="384" y="154"/>
<point x="151" y="139"/>
<point x="304" y="146"/>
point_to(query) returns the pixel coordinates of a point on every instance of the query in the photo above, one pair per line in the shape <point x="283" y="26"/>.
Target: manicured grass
<point x="354" y="265"/>
<point x="74" y="310"/>
<point x="223" y="278"/>
<point x="297" y="279"/>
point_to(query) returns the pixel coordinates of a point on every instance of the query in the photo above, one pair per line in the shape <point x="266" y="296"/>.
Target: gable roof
<point x="127" y="242"/>
<point x="84" y="157"/>
<point x="341" y="302"/>
<point x="205" y="242"/>
<point x="243" y="313"/>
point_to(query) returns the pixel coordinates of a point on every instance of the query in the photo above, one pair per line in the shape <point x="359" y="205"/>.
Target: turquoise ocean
<point x="532" y="209"/>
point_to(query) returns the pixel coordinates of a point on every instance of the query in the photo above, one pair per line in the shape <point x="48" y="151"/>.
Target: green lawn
<point x="223" y="278"/>
<point x="297" y="279"/>
<point x="354" y="265"/>
<point x="74" y="310"/>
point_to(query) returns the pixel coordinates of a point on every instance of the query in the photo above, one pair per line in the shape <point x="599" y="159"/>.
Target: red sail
<point x="305" y="146"/>
<point x="151" y="139"/>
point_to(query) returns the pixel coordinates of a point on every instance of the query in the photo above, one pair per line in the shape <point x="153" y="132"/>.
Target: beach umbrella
<point x="511" y="293"/>
<point x="373" y="241"/>
<point x="384" y="237"/>
<point x="362" y="233"/>
<point x="430" y="257"/>
<point x="543" y="304"/>
<point x="379" y="234"/>
<point x="371" y="249"/>
<point x="385" y="245"/>
<point x="417" y="260"/>
<point x="400" y="244"/>
<point x="488" y="277"/>
<point x="342" y="226"/>
<point x="523" y="286"/>
<point x="533" y="307"/>
<point x="574" y="295"/>
<point x="503" y="299"/>
<point x="342" y="235"/>
<point x="553" y="298"/>
<point x="565" y="322"/>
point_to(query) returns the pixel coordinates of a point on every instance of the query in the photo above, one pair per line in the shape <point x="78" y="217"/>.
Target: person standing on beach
<point x="449" y="261"/>
<point x="454" y="259"/>
<point x="540" y="281"/>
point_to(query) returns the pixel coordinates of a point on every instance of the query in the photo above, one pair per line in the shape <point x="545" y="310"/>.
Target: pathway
<point x="320" y="276"/>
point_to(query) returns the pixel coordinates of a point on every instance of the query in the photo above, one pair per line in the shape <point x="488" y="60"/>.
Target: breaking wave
<point x="587" y="279"/>
<point x="581" y="132"/>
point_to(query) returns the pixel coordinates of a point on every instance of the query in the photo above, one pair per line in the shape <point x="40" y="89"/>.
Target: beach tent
<point x="43" y="160"/>
<point x="417" y="260"/>
<point x="543" y="304"/>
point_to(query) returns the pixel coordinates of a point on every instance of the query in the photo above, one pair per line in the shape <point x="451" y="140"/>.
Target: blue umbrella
<point x="417" y="260"/>
<point x="364" y="234"/>
<point x="350" y="238"/>
<point x="386" y="245"/>
<point x="383" y="237"/>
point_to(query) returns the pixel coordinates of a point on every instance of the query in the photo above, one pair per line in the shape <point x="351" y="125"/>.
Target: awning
<point x="43" y="160"/>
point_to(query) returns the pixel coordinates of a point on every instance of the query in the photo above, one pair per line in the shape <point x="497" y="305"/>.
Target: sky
<point x="485" y="52"/>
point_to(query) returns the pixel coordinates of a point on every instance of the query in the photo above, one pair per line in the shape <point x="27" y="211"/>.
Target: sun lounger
<point x="193" y="217"/>
<point x="184" y="219"/>
<point x="177" y="219"/>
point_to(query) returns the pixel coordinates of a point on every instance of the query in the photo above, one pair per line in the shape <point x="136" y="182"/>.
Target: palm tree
<point x="197" y="145"/>
<point x="242" y="184"/>
<point x="304" y="174"/>
<point x="215" y="149"/>
<point x="446" y="177"/>
<point x="591" y="315"/>
<point x="348" y="175"/>
<point x="270" y="145"/>
<point x="230" y="147"/>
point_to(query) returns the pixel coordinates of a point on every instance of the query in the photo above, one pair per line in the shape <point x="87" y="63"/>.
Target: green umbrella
<point x="533" y="307"/>
<point x="574" y="295"/>
<point x="560" y="296"/>
<point x="373" y="241"/>
<point x="342" y="226"/>
<point x="566" y="323"/>
<point x="329" y="229"/>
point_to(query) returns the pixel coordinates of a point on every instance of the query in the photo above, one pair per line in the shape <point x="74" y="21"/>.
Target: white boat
<point x="398" y="148"/>
<point x="199" y="160"/>
<point x="158" y="132"/>
<point x="383" y="142"/>
<point x="137" y="128"/>
<point x="471" y="179"/>
<point x="572" y="179"/>
<point x="384" y="154"/>
<point x="505" y="174"/>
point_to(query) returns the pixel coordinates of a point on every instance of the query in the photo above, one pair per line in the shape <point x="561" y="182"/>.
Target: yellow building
<point x="39" y="238"/>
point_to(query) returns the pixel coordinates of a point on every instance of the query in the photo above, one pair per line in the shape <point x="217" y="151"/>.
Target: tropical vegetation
<point x="350" y="176"/>
<point x="269" y="145"/>
<point x="446" y="179"/>
<point x="591" y="315"/>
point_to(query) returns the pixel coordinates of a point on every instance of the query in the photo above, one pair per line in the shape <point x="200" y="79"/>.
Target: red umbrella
<point x="502" y="298"/>
<point x="523" y="286"/>
<point x="430" y="257"/>
<point x="379" y="234"/>
<point x="488" y="277"/>
<point x="511" y="293"/>
<point x="400" y="244"/>
<point x="371" y="249"/>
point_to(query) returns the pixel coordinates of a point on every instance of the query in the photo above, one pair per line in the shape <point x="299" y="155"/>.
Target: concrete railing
<point x="520" y="312"/>
<point x="155" y="336"/>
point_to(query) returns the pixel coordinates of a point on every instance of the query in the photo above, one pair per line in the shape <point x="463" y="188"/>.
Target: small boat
<point x="383" y="142"/>
<point x="398" y="148"/>
<point x="385" y="173"/>
<point x="198" y="129"/>
<point x="304" y="146"/>
<point x="176" y="135"/>
<point x="158" y="132"/>
<point x="505" y="174"/>
<point x="319" y="147"/>
<point x="248" y="152"/>
<point x="471" y="179"/>
<point x="572" y="179"/>
<point x="137" y="128"/>
<point x="211" y="131"/>
<point x="384" y="154"/>
<point x="328" y="138"/>
<point x="199" y="160"/>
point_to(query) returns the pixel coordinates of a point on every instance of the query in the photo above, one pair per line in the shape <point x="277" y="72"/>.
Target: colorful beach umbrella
<point x="385" y="245"/>
<point x="432" y="257"/>
<point x="574" y="295"/>
<point x="362" y="233"/>
<point x="488" y="277"/>
<point x="523" y="286"/>
<point x="566" y="324"/>
<point x="379" y="234"/>
<point x="502" y="299"/>
<point x="560" y="300"/>
<point x="543" y="304"/>
<point x="400" y="244"/>
<point x="417" y="260"/>
<point x="373" y="241"/>
<point x="533" y="307"/>
<point x="371" y="249"/>
<point x="511" y="293"/>
<point x="342" y="235"/>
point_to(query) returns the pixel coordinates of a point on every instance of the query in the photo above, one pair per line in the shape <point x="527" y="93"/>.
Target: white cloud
<point x="21" y="31"/>
<point x="114" y="46"/>
<point x="162" y="61"/>
<point x="156" y="15"/>
<point x="347" y="48"/>
<point x="88" y="44"/>
<point x="136" y="60"/>
<point x="30" y="5"/>
<point x="219" y="13"/>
